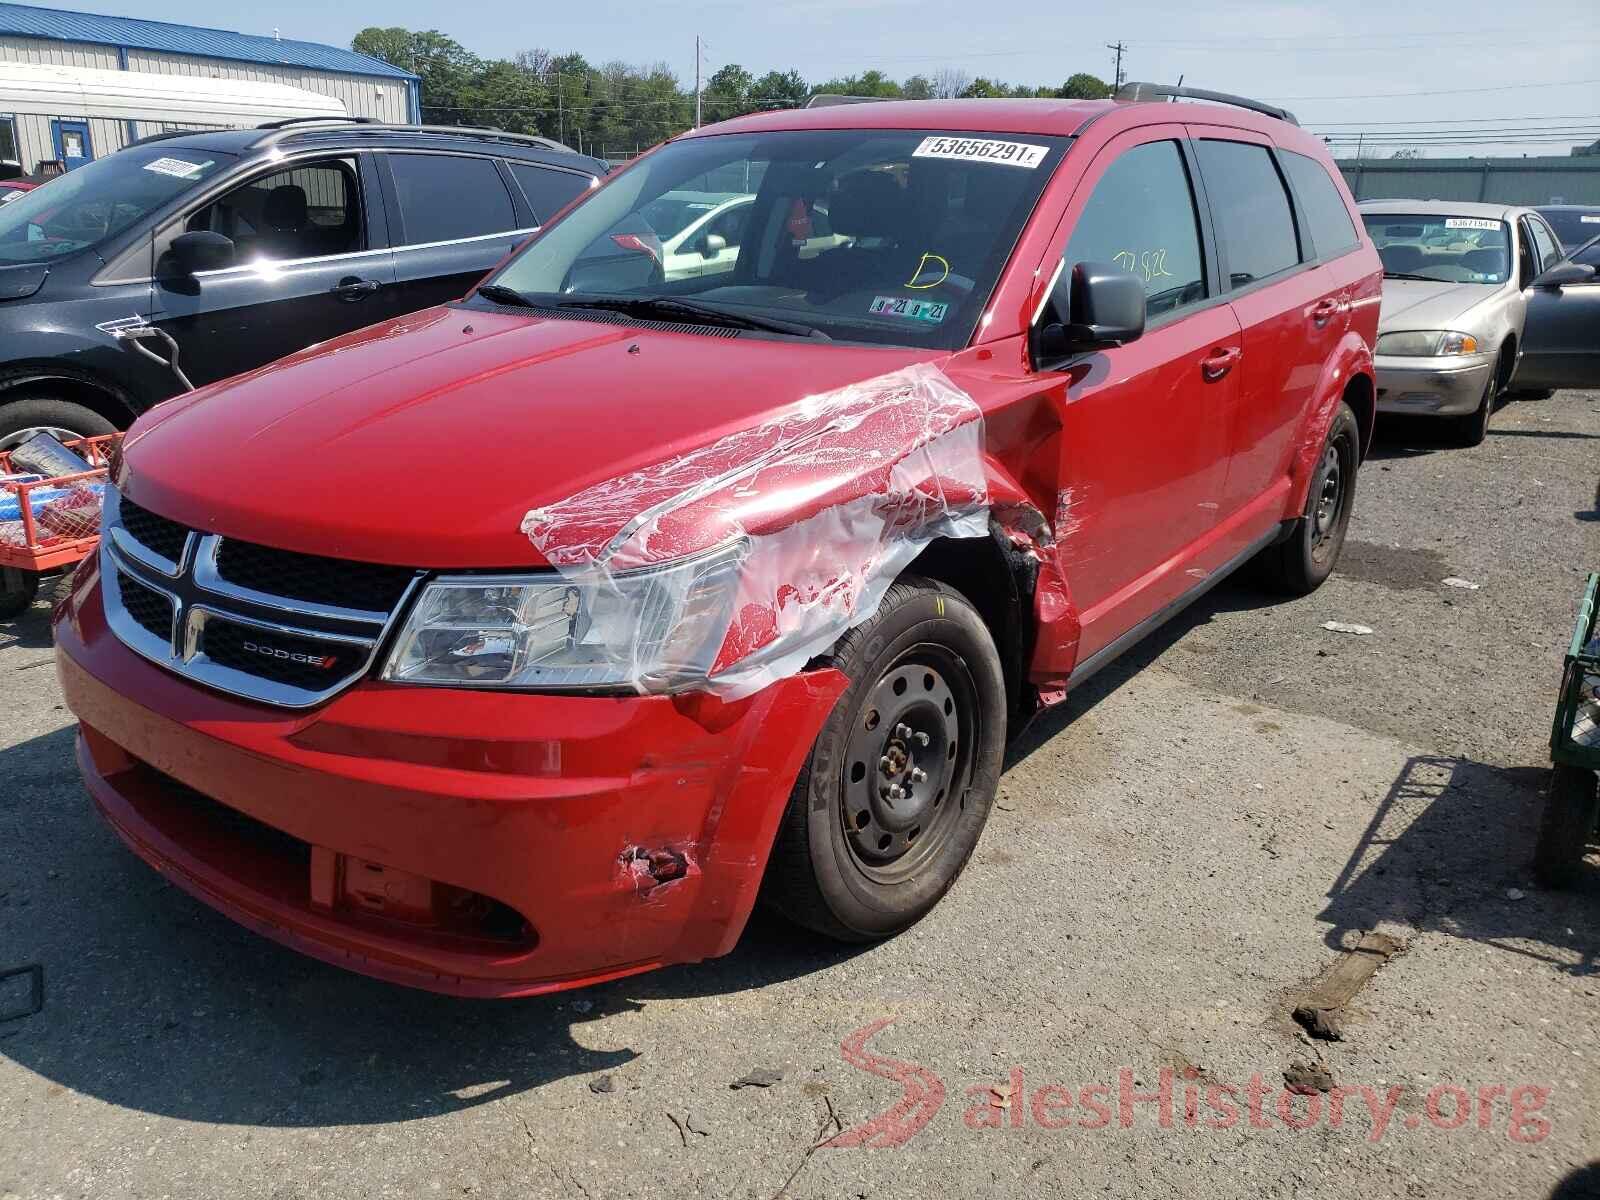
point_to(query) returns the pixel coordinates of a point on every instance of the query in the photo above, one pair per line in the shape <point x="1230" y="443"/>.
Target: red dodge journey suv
<point x="712" y="548"/>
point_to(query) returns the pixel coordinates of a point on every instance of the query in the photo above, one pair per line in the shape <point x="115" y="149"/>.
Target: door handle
<point x="353" y="288"/>
<point x="1325" y="310"/>
<point x="1219" y="362"/>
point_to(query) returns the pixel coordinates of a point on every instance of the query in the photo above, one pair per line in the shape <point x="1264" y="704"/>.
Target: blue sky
<point x="1339" y="65"/>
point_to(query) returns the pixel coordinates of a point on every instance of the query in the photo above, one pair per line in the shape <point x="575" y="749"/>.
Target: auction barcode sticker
<point x="1011" y="154"/>
<point x="1470" y="223"/>
<point x="175" y="166"/>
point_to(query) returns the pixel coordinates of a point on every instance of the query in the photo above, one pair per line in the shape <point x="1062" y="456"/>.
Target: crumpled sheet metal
<point x="830" y="500"/>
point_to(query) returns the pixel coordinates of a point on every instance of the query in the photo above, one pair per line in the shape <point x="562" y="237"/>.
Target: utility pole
<point x="697" y="81"/>
<point x="1119" y="48"/>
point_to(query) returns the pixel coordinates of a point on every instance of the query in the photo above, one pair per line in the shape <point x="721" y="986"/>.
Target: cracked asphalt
<point x="1174" y="858"/>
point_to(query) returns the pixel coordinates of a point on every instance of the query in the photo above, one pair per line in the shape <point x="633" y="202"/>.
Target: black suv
<point x="245" y="245"/>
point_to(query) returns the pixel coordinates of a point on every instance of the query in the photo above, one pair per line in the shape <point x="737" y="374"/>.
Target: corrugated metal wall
<point x="363" y="95"/>
<point x="59" y="54"/>
<point x="1493" y="180"/>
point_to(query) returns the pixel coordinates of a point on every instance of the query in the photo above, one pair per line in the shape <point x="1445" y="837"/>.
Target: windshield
<point x="870" y="235"/>
<point x="99" y="199"/>
<point x="1448" y="249"/>
<point x="1574" y="226"/>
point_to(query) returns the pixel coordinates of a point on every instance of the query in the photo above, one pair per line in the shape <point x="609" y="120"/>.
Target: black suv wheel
<point x="899" y="785"/>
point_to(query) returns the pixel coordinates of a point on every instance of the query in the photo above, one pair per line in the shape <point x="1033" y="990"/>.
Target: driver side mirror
<point x="1094" y="306"/>
<point x="1563" y="273"/>
<point x="201" y="250"/>
<point x="712" y="244"/>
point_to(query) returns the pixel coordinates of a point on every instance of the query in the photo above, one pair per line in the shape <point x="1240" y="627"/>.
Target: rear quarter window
<point x="548" y="191"/>
<point x="1327" y="220"/>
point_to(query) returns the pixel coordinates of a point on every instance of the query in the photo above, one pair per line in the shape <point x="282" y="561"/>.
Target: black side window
<point x="1141" y="217"/>
<point x="1255" y="224"/>
<point x="8" y="144"/>
<point x="305" y="212"/>
<point x="548" y="191"/>
<point x="444" y="197"/>
<point x="1589" y="255"/>
<point x="1549" y="249"/>
<point x="1327" y="219"/>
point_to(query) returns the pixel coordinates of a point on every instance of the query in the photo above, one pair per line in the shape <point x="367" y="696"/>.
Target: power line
<point x="1507" y="87"/>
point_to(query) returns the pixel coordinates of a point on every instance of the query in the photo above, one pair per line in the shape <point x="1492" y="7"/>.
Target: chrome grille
<point x="268" y="625"/>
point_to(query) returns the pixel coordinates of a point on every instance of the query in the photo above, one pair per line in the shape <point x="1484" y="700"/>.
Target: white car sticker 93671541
<point x="1011" y="154"/>
<point x="1470" y="223"/>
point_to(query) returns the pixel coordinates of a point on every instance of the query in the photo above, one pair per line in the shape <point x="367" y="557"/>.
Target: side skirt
<point x="1111" y="652"/>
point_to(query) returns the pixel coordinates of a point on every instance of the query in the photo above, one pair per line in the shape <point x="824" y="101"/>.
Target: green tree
<point x="918" y="87"/>
<point x="981" y="88"/>
<point x="446" y="66"/>
<point x="505" y="95"/>
<point x="868" y="83"/>
<point x="1084" y="86"/>
<point x="787" y="89"/>
<point x="727" y="93"/>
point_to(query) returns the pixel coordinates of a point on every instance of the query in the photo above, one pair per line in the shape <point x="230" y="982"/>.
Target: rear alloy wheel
<point x="890" y="805"/>
<point x="62" y="419"/>
<point x="1298" y="565"/>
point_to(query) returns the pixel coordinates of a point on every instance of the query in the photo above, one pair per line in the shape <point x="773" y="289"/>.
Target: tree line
<point x="616" y="109"/>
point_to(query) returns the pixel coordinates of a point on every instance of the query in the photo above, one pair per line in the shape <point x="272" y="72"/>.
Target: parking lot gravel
<point x="1175" y="858"/>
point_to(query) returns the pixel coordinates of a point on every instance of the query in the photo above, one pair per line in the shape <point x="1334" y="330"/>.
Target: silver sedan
<point x="1455" y="283"/>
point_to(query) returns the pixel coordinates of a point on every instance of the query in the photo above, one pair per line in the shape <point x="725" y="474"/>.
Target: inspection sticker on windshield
<point x="931" y="311"/>
<point x="1012" y="154"/>
<point x="1470" y="223"/>
<point x="176" y="167"/>
<point x="1588" y="219"/>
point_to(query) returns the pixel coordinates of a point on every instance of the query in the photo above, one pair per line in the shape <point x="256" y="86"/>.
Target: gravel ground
<point x="1174" y="858"/>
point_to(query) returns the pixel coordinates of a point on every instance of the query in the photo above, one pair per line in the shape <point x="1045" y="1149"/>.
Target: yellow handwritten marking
<point x="1150" y="264"/>
<point x="937" y="600"/>
<point x="923" y="262"/>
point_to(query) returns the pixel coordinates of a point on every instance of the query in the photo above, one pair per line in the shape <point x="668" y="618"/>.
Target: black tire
<point x="1568" y="825"/>
<point x="17" y="591"/>
<point x="859" y="881"/>
<point x="1471" y="429"/>
<point x="29" y="412"/>
<point x="1297" y="565"/>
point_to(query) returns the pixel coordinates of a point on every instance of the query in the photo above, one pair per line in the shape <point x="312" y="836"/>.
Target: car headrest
<point x="1401" y="258"/>
<point x="285" y="209"/>
<point x="868" y="204"/>
<point x="1484" y="261"/>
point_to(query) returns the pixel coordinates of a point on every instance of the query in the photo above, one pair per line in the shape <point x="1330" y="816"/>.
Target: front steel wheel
<point x="891" y="803"/>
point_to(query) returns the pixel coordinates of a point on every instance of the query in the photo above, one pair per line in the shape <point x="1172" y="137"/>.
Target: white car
<point x="700" y="232"/>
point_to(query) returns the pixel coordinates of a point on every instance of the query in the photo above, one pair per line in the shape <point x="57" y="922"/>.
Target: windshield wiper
<point x="694" y="311"/>
<point x="501" y="294"/>
<point x="1408" y="275"/>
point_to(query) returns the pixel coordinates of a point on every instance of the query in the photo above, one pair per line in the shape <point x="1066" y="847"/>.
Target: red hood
<point x="424" y="441"/>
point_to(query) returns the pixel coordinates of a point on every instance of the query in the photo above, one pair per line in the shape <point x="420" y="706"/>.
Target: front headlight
<point x="1427" y="343"/>
<point x="654" y="630"/>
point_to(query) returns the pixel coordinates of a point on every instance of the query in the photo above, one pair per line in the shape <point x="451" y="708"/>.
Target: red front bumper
<point x="550" y="806"/>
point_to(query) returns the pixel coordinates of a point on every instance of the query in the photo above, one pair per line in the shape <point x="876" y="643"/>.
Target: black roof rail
<point x="286" y="122"/>
<point x="829" y="99"/>
<point x="161" y="137"/>
<point x="1132" y="92"/>
<point x="367" y="126"/>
